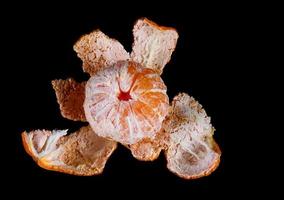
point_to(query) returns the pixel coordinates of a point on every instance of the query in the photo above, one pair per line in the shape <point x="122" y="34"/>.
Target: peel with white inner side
<point x="192" y="151"/>
<point x="81" y="153"/>
<point x="153" y="44"/>
<point x="98" y="51"/>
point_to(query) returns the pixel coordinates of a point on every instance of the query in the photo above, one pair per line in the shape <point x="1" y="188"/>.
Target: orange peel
<point x="149" y="149"/>
<point x="81" y="153"/>
<point x="153" y="44"/>
<point x="70" y="97"/>
<point x="98" y="51"/>
<point x="192" y="151"/>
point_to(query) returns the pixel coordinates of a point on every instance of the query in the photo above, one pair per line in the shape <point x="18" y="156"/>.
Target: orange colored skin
<point x="45" y="165"/>
<point x="163" y="28"/>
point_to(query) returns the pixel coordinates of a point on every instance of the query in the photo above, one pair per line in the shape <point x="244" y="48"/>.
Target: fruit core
<point x="124" y="96"/>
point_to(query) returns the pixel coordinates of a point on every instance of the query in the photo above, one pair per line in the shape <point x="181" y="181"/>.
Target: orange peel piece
<point x="81" y="153"/>
<point x="192" y="151"/>
<point x="146" y="150"/>
<point x="153" y="44"/>
<point x="98" y="51"/>
<point x="149" y="149"/>
<point x="70" y="97"/>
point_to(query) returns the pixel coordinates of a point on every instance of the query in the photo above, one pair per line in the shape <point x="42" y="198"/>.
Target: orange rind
<point x="70" y="97"/>
<point x="80" y="153"/>
<point x="98" y="51"/>
<point x="153" y="44"/>
<point x="149" y="149"/>
<point x="192" y="151"/>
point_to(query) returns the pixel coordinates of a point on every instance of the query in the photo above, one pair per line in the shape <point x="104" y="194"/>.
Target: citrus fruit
<point x="126" y="102"/>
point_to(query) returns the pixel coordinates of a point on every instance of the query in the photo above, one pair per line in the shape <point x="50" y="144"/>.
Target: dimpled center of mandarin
<point x="124" y="96"/>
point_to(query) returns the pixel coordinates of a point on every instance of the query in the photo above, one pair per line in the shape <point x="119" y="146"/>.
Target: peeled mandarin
<point x="126" y="102"/>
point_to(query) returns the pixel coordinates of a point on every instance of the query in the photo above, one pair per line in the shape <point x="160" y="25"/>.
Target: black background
<point x="40" y="49"/>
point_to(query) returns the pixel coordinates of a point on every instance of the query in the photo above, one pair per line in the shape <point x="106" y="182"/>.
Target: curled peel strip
<point x="153" y="44"/>
<point x="80" y="153"/>
<point x="192" y="151"/>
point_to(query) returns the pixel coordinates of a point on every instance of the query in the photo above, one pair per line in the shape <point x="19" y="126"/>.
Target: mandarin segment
<point x="156" y="100"/>
<point x="123" y="114"/>
<point x="80" y="153"/>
